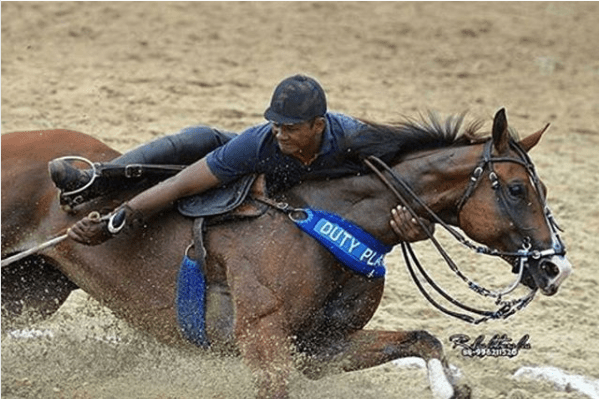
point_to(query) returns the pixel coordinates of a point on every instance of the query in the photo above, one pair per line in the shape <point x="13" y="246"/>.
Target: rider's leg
<point x="183" y="148"/>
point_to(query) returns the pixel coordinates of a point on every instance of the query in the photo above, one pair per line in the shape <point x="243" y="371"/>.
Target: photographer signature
<point x="499" y="345"/>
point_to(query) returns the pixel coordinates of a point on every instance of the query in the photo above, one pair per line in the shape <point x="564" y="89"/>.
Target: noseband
<point x="505" y="308"/>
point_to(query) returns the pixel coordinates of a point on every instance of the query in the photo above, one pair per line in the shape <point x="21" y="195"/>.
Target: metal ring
<point x="88" y="184"/>
<point x="476" y="173"/>
<point x="190" y="246"/>
<point x="299" y="215"/>
<point x="112" y="229"/>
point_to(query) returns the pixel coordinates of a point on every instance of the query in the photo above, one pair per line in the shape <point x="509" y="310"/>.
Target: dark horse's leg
<point x="33" y="287"/>
<point x="364" y="349"/>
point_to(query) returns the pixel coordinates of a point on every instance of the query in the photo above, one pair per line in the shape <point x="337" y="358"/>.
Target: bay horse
<point x="273" y="291"/>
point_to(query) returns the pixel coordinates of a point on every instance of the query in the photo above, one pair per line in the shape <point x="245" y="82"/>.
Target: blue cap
<point x="296" y="99"/>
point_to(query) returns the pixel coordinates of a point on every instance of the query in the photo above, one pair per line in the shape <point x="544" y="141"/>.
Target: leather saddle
<point x="228" y="201"/>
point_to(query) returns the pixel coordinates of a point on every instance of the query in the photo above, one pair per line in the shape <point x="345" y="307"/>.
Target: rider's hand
<point x="91" y="230"/>
<point x="407" y="228"/>
<point x="94" y="230"/>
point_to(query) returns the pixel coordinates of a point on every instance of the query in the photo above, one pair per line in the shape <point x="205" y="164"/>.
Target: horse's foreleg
<point x="266" y="350"/>
<point x="260" y="323"/>
<point x="365" y="349"/>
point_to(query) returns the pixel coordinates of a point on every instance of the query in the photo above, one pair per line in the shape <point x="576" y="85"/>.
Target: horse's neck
<point x="438" y="177"/>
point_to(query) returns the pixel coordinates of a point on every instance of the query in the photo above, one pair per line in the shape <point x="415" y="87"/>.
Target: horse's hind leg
<point x="365" y="349"/>
<point x="33" y="287"/>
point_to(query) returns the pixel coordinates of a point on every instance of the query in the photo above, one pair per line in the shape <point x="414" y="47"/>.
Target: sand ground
<point x="129" y="72"/>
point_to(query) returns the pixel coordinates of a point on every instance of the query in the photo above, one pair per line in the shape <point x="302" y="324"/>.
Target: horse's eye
<point x="516" y="190"/>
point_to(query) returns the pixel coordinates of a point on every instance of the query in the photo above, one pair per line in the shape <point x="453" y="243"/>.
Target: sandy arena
<point x="129" y="72"/>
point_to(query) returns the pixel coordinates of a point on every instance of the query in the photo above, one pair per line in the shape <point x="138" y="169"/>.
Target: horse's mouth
<point x="547" y="274"/>
<point x="552" y="271"/>
<point x="552" y="290"/>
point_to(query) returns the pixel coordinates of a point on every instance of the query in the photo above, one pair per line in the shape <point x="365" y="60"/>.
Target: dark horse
<point x="272" y="290"/>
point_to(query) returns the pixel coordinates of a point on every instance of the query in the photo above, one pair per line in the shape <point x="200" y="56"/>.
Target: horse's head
<point x="505" y="208"/>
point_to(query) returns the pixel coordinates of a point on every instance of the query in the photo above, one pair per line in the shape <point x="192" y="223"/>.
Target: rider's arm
<point x="234" y="159"/>
<point x="226" y="163"/>
<point x="194" y="179"/>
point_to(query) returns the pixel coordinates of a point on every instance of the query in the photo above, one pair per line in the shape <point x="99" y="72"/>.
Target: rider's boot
<point x="78" y="186"/>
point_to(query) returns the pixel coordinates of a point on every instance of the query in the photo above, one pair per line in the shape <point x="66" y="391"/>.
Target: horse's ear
<point x="532" y="140"/>
<point x="501" y="135"/>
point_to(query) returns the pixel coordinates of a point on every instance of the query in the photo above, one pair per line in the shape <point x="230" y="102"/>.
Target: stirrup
<point x="90" y="182"/>
<point x="70" y="199"/>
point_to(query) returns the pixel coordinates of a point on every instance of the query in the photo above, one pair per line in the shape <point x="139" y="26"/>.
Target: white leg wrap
<point x="439" y="383"/>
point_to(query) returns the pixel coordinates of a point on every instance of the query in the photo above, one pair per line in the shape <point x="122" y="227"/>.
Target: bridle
<point x="505" y="308"/>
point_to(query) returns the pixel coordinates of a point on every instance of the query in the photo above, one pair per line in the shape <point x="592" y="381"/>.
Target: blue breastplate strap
<point x="352" y="246"/>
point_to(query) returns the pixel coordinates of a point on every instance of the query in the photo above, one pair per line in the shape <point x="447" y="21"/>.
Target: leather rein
<point x="505" y="308"/>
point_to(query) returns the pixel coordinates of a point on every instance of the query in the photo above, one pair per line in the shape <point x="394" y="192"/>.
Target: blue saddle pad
<point x="191" y="302"/>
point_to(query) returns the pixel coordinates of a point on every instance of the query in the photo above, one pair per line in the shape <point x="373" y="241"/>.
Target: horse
<point x="273" y="292"/>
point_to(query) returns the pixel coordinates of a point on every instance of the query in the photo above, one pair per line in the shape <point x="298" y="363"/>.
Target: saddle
<point x="229" y="200"/>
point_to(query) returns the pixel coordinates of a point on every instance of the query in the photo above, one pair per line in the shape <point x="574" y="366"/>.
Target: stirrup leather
<point x="70" y="199"/>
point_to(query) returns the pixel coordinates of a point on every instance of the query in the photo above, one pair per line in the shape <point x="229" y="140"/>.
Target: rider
<point x="300" y="140"/>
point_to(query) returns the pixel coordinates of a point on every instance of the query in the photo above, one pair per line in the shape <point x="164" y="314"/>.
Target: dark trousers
<point x="184" y="148"/>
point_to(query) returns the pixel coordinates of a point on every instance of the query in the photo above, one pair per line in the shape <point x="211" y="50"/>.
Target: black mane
<point x="390" y="142"/>
<point x="393" y="141"/>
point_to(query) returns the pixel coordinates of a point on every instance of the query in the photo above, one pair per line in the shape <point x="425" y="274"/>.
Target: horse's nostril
<point x="550" y="269"/>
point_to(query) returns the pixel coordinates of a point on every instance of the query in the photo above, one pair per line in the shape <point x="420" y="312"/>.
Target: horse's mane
<point x="390" y="142"/>
<point x="393" y="141"/>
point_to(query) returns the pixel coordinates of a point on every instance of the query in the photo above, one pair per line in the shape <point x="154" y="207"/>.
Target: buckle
<point x="133" y="170"/>
<point x="69" y="202"/>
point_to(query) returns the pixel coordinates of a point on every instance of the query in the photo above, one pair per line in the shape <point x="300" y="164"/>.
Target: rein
<point x="505" y="308"/>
